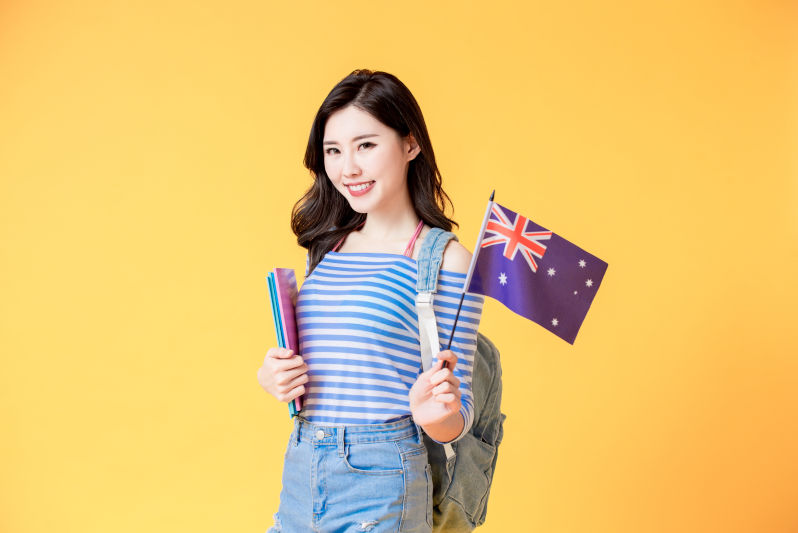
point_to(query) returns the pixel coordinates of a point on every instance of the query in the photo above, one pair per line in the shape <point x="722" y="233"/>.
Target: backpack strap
<point x="430" y="258"/>
<point x="429" y="262"/>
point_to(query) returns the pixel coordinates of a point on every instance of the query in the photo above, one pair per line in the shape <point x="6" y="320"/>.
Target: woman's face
<point x="366" y="160"/>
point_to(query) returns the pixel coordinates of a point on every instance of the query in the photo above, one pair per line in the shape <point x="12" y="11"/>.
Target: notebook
<point x="282" y="295"/>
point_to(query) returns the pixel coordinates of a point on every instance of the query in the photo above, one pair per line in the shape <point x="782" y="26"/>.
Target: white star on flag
<point x="554" y="321"/>
<point x="503" y="279"/>
<point x="552" y="272"/>
<point x="589" y="283"/>
<point x="582" y="263"/>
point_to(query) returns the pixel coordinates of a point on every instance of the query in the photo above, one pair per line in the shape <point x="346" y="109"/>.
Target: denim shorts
<point x="342" y="479"/>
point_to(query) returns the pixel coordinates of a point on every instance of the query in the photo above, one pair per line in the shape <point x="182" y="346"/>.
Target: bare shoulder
<point x="456" y="257"/>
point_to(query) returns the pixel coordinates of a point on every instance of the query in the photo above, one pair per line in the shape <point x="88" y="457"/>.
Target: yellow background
<point x="150" y="153"/>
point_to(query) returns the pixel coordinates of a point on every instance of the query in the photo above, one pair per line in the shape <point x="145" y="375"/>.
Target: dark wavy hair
<point x="322" y="216"/>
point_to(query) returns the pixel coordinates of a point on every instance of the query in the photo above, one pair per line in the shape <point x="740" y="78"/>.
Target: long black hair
<point x="322" y="216"/>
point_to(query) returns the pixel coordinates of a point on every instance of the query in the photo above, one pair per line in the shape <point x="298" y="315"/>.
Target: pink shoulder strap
<point x="409" y="249"/>
<point x="338" y="244"/>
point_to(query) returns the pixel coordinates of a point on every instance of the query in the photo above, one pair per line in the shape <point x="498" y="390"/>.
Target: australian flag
<point x="535" y="272"/>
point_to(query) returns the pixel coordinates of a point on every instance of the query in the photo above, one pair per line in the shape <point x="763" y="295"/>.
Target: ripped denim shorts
<point x="373" y="478"/>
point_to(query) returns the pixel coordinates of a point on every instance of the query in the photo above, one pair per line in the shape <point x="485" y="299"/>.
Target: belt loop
<point x="341" y="451"/>
<point x="418" y="429"/>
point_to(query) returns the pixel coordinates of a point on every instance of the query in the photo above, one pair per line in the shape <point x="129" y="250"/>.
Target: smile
<point x="360" y="188"/>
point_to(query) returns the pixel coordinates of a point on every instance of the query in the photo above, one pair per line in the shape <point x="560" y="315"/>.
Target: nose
<point x="351" y="168"/>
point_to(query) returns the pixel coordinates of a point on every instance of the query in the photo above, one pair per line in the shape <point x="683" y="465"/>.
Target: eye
<point x="367" y="143"/>
<point x="327" y="151"/>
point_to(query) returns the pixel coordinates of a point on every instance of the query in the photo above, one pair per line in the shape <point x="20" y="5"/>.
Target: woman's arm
<point x="452" y="386"/>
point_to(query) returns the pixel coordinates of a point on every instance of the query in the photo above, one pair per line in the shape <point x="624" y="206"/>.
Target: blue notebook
<point x="282" y="296"/>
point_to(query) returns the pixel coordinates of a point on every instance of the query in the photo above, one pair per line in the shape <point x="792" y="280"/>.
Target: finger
<point x="294" y="393"/>
<point x="445" y="388"/>
<point x="438" y="364"/>
<point x="287" y="376"/>
<point x="299" y="380"/>
<point x="442" y="388"/>
<point x="287" y="364"/>
<point x="447" y="398"/>
<point x="448" y="356"/>
<point x="431" y="370"/>
<point x="439" y="376"/>
<point x="443" y="375"/>
<point x="279" y="353"/>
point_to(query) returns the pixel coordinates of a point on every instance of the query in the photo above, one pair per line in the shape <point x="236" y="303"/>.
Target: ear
<point x="412" y="149"/>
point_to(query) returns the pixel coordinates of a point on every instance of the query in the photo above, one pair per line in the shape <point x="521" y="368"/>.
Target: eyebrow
<point x="355" y="138"/>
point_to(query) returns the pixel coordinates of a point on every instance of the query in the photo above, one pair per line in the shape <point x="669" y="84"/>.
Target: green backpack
<point x="462" y="471"/>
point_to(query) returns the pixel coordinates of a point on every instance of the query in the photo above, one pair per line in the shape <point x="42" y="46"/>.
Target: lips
<point x="359" y="189"/>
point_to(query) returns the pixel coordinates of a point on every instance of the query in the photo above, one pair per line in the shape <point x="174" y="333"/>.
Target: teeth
<point x="360" y="187"/>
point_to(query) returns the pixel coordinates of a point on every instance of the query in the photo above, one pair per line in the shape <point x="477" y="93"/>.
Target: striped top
<point x="358" y="334"/>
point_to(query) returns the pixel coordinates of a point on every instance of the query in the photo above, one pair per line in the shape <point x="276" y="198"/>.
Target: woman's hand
<point x="283" y="374"/>
<point x="435" y="396"/>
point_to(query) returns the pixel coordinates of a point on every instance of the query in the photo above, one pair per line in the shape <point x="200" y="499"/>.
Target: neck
<point x="391" y="225"/>
<point x="383" y="229"/>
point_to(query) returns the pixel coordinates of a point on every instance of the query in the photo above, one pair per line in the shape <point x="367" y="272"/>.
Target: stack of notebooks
<point x="282" y="294"/>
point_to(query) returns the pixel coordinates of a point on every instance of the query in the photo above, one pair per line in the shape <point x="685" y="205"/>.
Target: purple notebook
<point x="285" y="285"/>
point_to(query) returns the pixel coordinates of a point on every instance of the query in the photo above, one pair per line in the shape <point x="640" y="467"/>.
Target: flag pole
<point x="471" y="268"/>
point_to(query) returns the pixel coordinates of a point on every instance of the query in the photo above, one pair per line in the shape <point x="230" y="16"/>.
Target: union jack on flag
<point x="514" y="236"/>
<point x="558" y="296"/>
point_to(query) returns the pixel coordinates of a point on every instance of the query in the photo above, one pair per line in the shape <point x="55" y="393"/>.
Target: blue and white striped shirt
<point x="358" y="334"/>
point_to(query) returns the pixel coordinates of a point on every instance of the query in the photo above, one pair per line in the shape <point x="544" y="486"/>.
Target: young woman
<point x="355" y="460"/>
